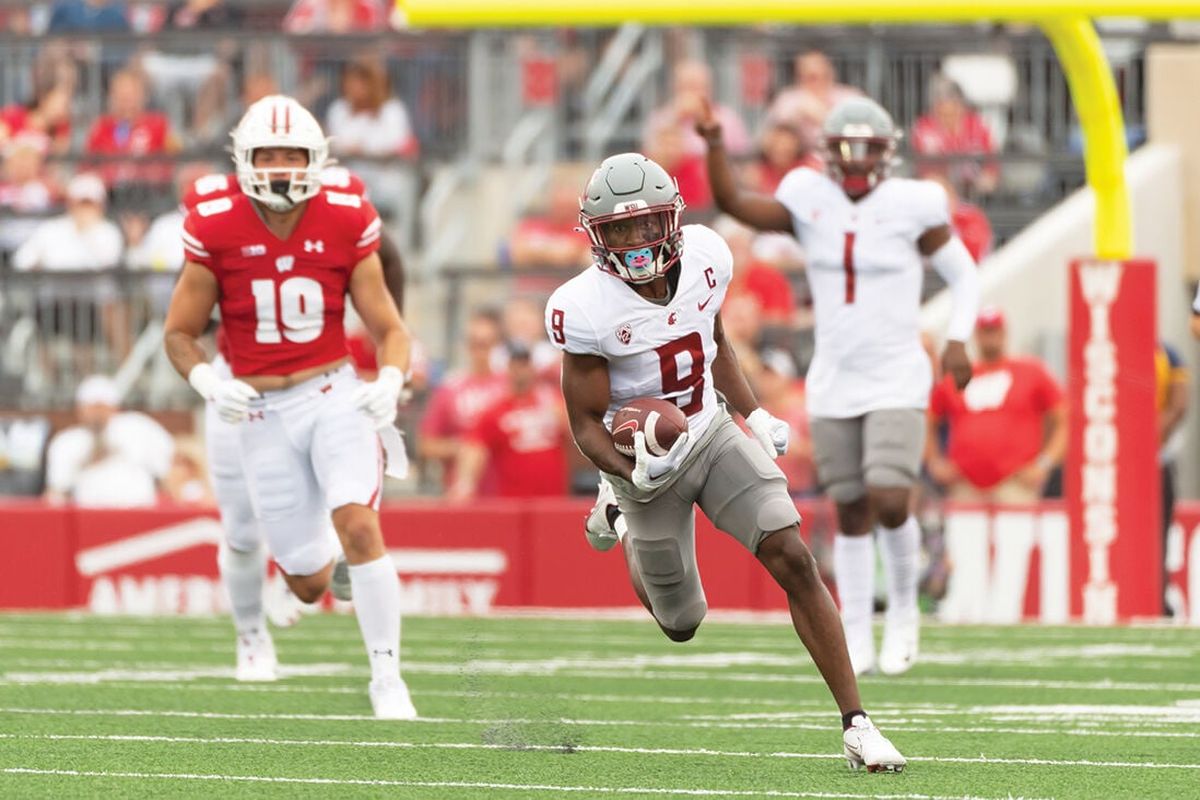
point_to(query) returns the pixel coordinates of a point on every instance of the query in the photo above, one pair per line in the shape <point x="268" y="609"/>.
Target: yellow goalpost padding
<point x="1065" y="22"/>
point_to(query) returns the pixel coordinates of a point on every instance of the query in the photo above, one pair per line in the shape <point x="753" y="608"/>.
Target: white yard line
<point x="523" y="787"/>
<point x="524" y="669"/>
<point x="589" y="749"/>
<point x="902" y="724"/>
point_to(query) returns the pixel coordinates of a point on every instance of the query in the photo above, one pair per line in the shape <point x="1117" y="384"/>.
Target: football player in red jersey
<point x="242" y="557"/>
<point x="280" y="258"/>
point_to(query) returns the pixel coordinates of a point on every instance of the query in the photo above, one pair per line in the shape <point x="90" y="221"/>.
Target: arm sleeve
<point x="369" y="232"/>
<point x="794" y="191"/>
<point x="569" y="328"/>
<point x="194" y="248"/>
<point x="954" y="264"/>
<point x="932" y="208"/>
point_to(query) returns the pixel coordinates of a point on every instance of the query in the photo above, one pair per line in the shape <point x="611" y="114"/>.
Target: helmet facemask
<point x="637" y="243"/>
<point x="859" y="163"/>
<point x="279" y="122"/>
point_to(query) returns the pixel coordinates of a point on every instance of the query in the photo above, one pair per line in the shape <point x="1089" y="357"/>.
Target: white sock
<point x="901" y="549"/>
<point x="377" y="606"/>
<point x="243" y="575"/>
<point x="854" y="571"/>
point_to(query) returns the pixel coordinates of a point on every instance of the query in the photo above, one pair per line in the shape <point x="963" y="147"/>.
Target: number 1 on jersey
<point x="848" y="265"/>
<point x="301" y="307"/>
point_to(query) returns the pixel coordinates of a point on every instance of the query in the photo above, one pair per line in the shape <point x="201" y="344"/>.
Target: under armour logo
<point x="314" y="247"/>
<point x="253" y="415"/>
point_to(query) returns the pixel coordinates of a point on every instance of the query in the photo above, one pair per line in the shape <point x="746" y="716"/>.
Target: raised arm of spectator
<point x="751" y="208"/>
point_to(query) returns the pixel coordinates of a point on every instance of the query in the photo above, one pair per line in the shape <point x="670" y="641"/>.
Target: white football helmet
<point x="279" y="121"/>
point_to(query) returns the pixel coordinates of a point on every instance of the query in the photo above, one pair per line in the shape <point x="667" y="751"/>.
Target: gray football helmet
<point x="860" y="144"/>
<point x="630" y="210"/>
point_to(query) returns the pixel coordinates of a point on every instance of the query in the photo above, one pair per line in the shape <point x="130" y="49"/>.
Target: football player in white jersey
<point x="867" y="237"/>
<point x="643" y="322"/>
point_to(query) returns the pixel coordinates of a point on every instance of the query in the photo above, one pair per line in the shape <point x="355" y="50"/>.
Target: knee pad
<point x="777" y="512"/>
<point x="847" y="490"/>
<point x="660" y="564"/>
<point x="889" y="476"/>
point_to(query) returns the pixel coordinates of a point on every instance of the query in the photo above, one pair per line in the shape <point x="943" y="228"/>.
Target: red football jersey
<point x="211" y="187"/>
<point x="217" y="185"/>
<point x="282" y="301"/>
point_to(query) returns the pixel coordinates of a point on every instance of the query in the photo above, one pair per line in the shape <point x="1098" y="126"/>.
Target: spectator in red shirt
<point x="523" y="436"/>
<point x="47" y="116"/>
<point x="129" y="129"/>
<point x="953" y="128"/>
<point x="456" y="405"/>
<point x="1008" y="428"/>
<point x="549" y="238"/>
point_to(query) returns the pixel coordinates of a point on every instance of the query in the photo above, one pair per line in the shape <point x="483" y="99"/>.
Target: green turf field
<point x="524" y="708"/>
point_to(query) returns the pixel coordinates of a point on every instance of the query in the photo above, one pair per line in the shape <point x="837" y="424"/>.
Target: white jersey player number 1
<point x="301" y="308"/>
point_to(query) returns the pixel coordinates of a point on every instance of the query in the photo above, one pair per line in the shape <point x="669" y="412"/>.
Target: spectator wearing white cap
<point x="111" y="458"/>
<point x="82" y="240"/>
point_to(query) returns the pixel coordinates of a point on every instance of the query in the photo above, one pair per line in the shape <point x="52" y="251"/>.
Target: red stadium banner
<point x="1112" y="471"/>
<point x="1009" y="563"/>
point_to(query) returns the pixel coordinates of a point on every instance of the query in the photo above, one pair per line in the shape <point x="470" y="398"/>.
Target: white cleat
<point x="901" y="644"/>
<point x="602" y="521"/>
<point x="256" y="660"/>
<point x="390" y="699"/>
<point x="865" y="746"/>
<point x="283" y="608"/>
<point x="339" y="582"/>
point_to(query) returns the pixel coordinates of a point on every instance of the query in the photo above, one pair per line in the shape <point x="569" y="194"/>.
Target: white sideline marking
<point x="169" y="675"/>
<point x="457" y="669"/>
<point x="524" y="787"/>
<point x="656" y="751"/>
<point x="598" y="723"/>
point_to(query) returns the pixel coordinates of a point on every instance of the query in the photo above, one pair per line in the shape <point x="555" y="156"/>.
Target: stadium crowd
<point x="74" y="187"/>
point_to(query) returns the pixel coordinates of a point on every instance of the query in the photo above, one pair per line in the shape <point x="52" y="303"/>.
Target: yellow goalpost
<point x="1067" y="23"/>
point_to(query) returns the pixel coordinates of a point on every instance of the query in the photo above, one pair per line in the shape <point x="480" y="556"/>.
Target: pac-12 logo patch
<point x="625" y="333"/>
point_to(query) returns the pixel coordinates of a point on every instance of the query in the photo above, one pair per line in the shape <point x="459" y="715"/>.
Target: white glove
<point x="379" y="398"/>
<point x="772" y="433"/>
<point x="650" y="472"/>
<point x="231" y="396"/>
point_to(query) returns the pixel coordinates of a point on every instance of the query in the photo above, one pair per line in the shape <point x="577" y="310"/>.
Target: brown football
<point x="661" y="421"/>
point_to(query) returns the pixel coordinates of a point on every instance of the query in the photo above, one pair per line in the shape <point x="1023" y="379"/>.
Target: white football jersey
<point x="652" y="350"/>
<point x="865" y="273"/>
